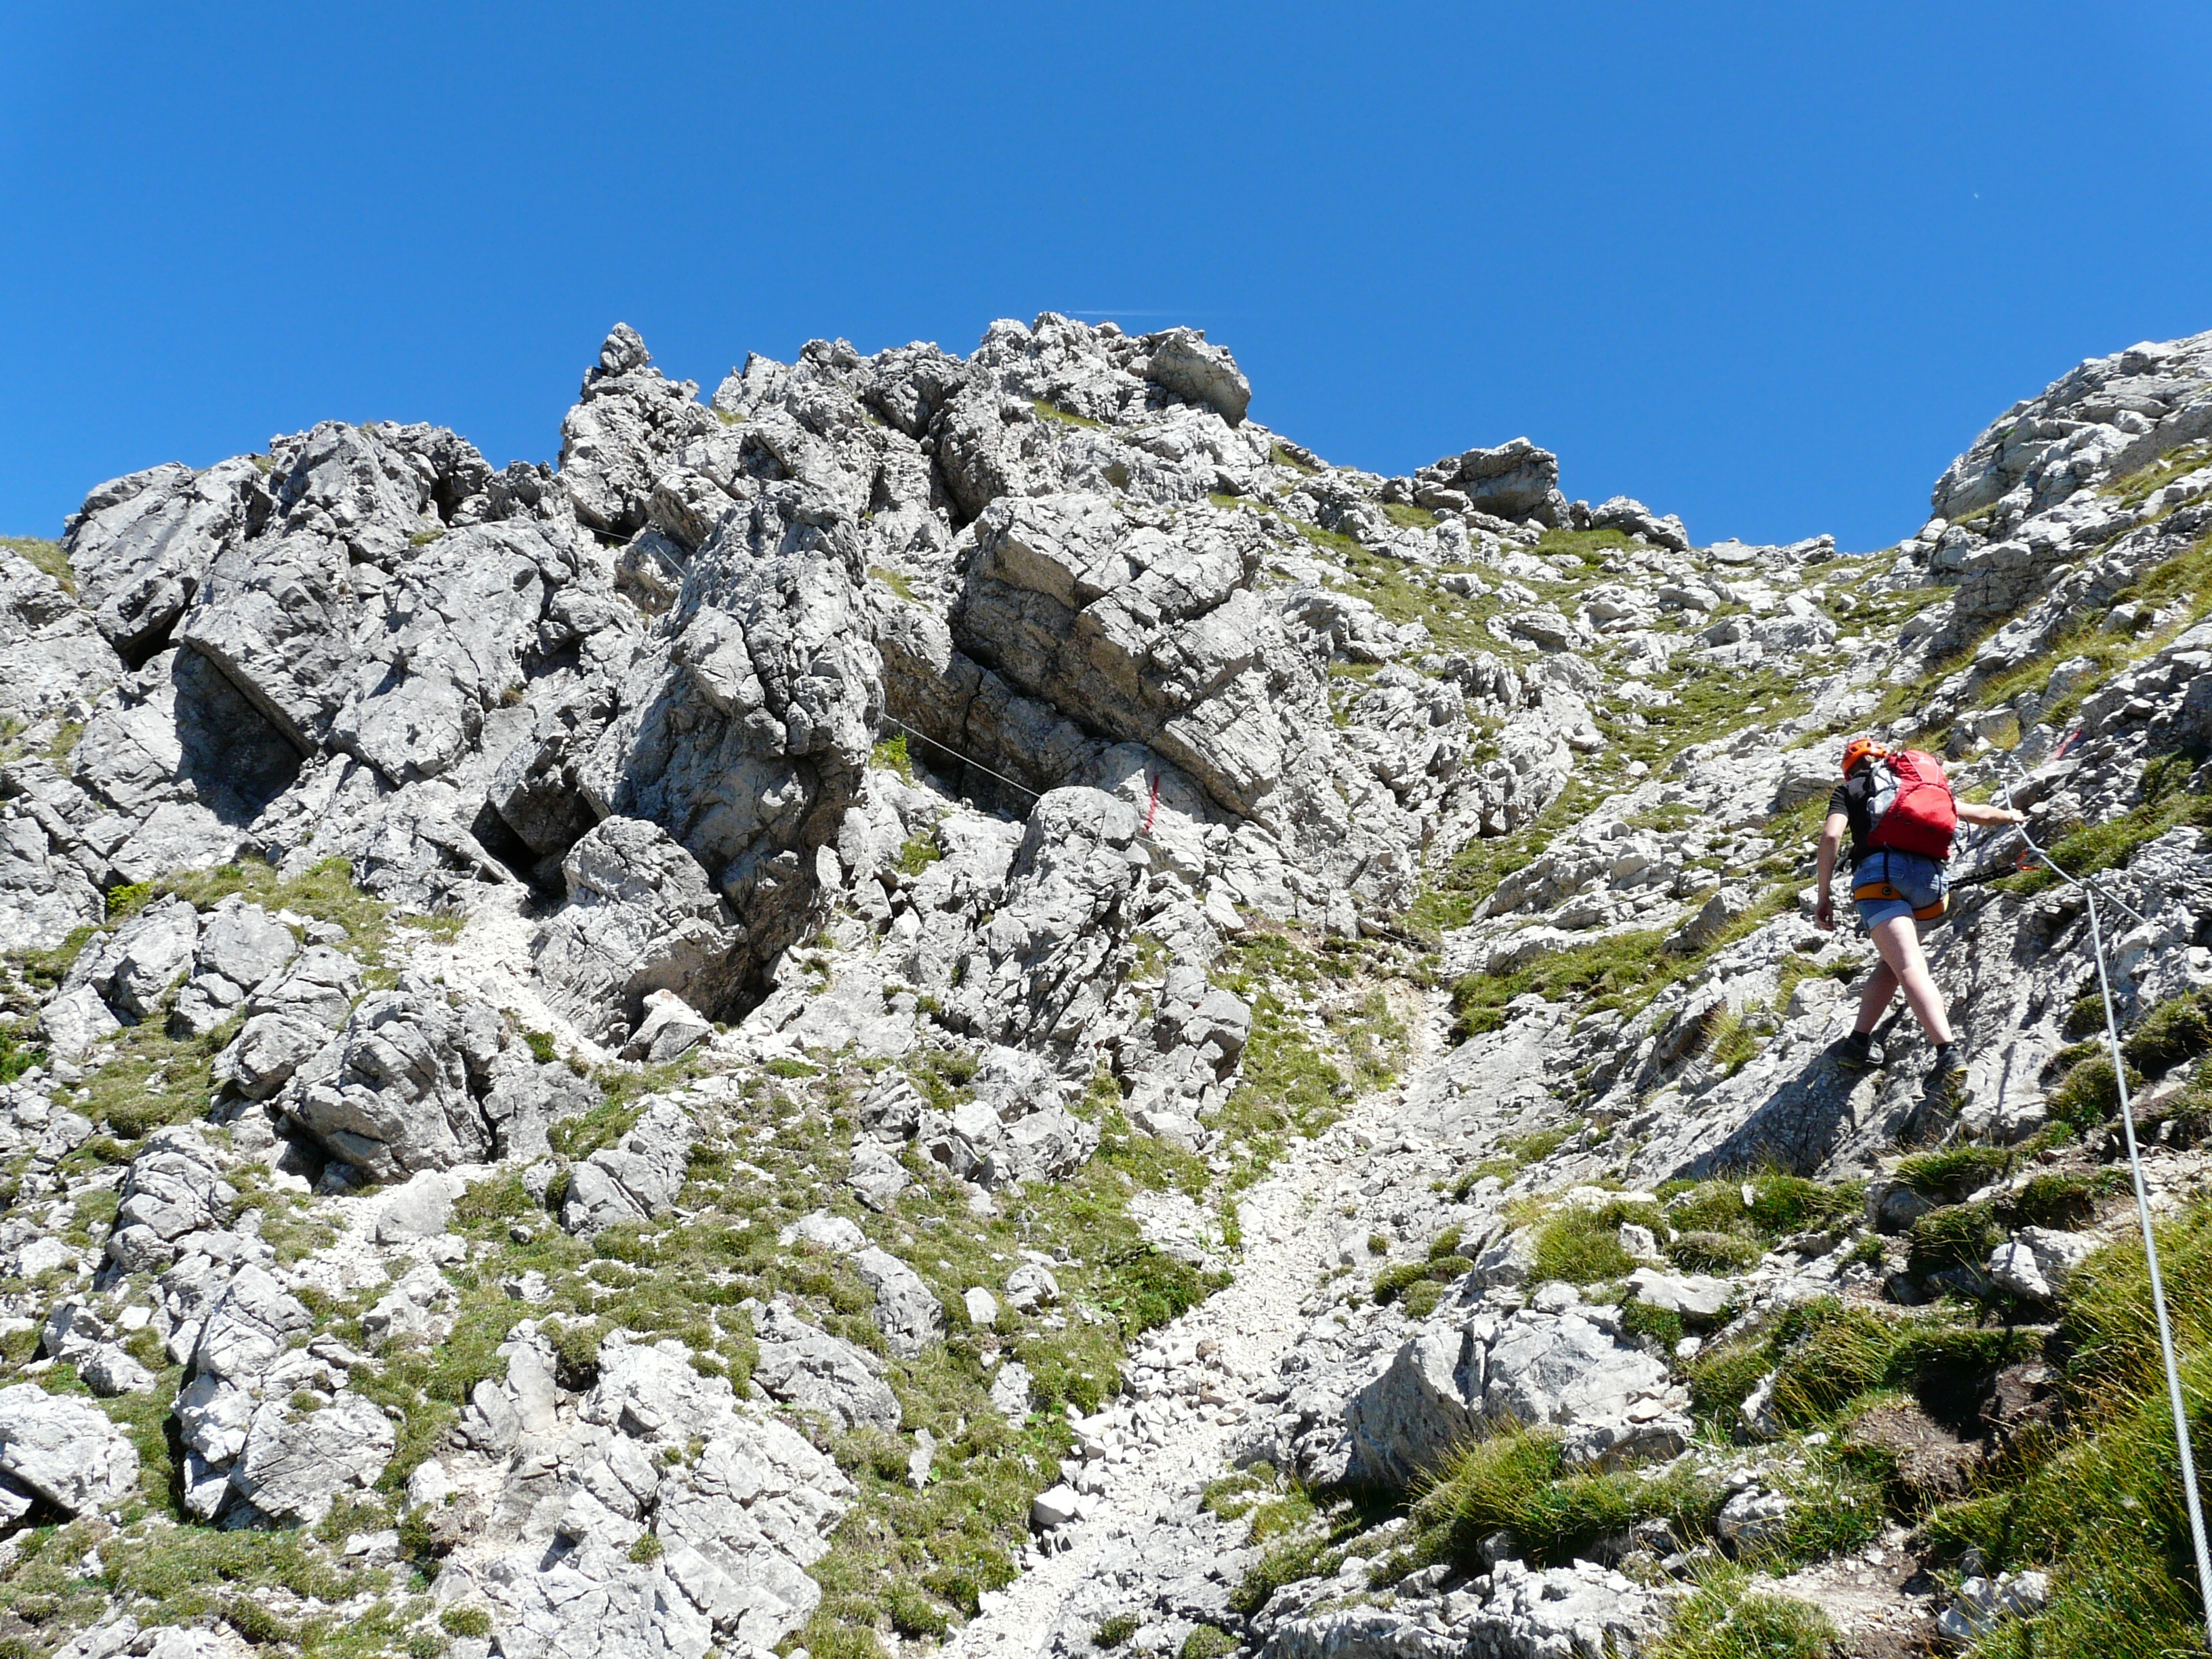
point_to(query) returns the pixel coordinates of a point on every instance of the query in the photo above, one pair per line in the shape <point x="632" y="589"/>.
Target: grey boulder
<point x="302" y="1454"/>
<point x="66" y="1451"/>
<point x="811" y="1370"/>
<point x="907" y="1310"/>
<point x="637" y="1179"/>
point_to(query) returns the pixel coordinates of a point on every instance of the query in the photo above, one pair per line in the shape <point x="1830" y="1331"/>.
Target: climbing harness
<point x="2090" y="891"/>
<point x="1882" y="889"/>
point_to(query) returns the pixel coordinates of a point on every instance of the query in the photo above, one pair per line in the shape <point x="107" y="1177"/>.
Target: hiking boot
<point x="1857" y="1052"/>
<point x="1947" y="1078"/>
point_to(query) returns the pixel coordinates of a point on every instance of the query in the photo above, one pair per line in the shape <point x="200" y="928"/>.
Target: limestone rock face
<point x="744" y="727"/>
<point x="133" y="968"/>
<point x="628" y="421"/>
<point x="175" y="1188"/>
<point x="1156" y="639"/>
<point x="141" y="546"/>
<point x="297" y="1460"/>
<point x="1515" y="480"/>
<point x="811" y="1370"/>
<point x="635" y="1179"/>
<point x="51" y="652"/>
<point x="1183" y="363"/>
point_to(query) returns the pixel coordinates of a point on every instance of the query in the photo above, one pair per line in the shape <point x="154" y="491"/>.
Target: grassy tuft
<point x="45" y="554"/>
<point x="1726" y="1618"/>
<point x="1516" y="1481"/>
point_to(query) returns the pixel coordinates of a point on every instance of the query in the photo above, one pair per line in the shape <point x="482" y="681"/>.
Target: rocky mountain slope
<point x="971" y="1002"/>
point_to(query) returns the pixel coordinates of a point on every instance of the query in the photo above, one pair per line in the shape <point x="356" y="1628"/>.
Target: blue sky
<point x="1766" y="266"/>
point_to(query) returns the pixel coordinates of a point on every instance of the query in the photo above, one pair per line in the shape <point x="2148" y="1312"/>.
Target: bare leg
<point x="1874" y="1001"/>
<point x="1899" y="942"/>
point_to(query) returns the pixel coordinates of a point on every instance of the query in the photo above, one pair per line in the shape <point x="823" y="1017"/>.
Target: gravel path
<point x="1163" y="1450"/>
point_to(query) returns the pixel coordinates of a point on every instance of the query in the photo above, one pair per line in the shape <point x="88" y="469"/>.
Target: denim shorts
<point x="1919" y="879"/>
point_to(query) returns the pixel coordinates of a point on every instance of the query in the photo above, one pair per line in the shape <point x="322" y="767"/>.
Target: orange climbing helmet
<point x="1859" y="749"/>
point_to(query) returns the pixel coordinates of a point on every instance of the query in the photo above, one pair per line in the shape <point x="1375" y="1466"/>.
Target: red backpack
<point x="1909" y="802"/>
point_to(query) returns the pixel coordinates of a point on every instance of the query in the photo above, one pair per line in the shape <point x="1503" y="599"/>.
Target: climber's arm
<point x="1831" y="839"/>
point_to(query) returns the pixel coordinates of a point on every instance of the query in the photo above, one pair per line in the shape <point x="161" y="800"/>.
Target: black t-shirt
<point x="1851" y="798"/>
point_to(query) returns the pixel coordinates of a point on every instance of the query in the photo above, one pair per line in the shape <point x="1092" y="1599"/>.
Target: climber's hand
<point x="1824" y="913"/>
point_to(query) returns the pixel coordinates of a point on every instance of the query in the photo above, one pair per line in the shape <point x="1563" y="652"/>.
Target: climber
<point x="1901" y="814"/>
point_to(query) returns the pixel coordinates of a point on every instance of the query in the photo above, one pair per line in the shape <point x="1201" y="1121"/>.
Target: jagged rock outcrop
<point x="2108" y="418"/>
<point x="400" y="1088"/>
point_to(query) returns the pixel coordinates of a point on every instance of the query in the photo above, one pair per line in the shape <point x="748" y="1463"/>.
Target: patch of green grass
<point x="1612" y="967"/>
<point x="1950" y="1174"/>
<point x="900" y="585"/>
<point x="1583" y="1246"/>
<point x="1592" y="547"/>
<point x="44" y="554"/>
<point x="1767" y="1205"/>
<point x="890" y="755"/>
<point x="920" y="851"/>
<point x="1517" y="1482"/>
<point x="16" y="1057"/>
<point x="1406" y="516"/>
<point x="2089" y="1094"/>
<point x="1206" y="1642"/>
<point x="1286" y="1087"/>
<point x="1957" y="1235"/>
<point x="1059" y="417"/>
<point x="2177" y="1030"/>
<point x="1704" y="1252"/>
<point x="1622" y="971"/>
<point x="2098" y="1503"/>
<point x="1825" y="1353"/>
<point x="1282" y="457"/>
<point x="1663" y="1325"/>
<point x="1115" y="1629"/>
<point x="469" y="1621"/>
<point x="2145" y="482"/>
<point x="1726" y="1618"/>
<point x="2109" y="845"/>
<point x="1731" y="1045"/>
<point x="326" y="892"/>
<point x="1453" y="623"/>
<point x="577" y="1137"/>
<point x="127" y="900"/>
<point x="1407" y="1276"/>
<point x="148" y="1079"/>
<point x="1706" y="703"/>
<point x="913" y="1613"/>
<point x="190" y="1571"/>
<point x="48" y="969"/>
